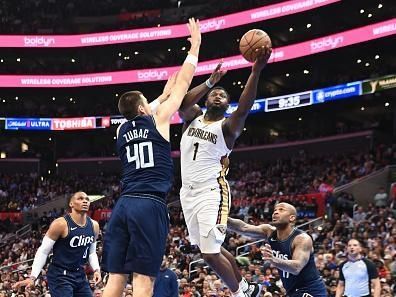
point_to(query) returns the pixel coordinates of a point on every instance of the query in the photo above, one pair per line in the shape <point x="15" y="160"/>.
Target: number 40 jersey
<point x="201" y="149"/>
<point x="146" y="158"/>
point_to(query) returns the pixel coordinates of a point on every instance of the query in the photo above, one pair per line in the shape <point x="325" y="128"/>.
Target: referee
<point x="358" y="275"/>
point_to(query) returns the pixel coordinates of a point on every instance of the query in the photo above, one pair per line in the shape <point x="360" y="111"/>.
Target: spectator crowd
<point x="374" y="226"/>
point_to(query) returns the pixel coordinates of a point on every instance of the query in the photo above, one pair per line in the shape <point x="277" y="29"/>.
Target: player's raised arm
<point x="189" y="109"/>
<point x="302" y="250"/>
<point x="165" y="93"/>
<point x="55" y="231"/>
<point x="183" y="80"/>
<point x="259" y="232"/>
<point x="234" y="125"/>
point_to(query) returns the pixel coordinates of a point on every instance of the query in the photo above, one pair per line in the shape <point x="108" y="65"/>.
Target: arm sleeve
<point x="93" y="257"/>
<point x="342" y="278"/>
<point x="371" y="269"/>
<point x="154" y="105"/>
<point x="41" y="255"/>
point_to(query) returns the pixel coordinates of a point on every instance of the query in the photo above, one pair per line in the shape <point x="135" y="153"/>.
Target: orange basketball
<point x="252" y="40"/>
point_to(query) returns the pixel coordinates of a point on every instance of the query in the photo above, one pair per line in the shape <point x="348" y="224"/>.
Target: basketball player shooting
<point x="289" y="249"/>
<point x="135" y="239"/>
<point x="207" y="140"/>
<point x="73" y="241"/>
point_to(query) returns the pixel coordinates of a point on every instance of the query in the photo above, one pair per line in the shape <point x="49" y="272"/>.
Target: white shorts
<point x="206" y="208"/>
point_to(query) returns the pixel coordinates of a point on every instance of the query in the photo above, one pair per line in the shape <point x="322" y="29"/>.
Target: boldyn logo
<point x="326" y="44"/>
<point x="212" y="25"/>
<point x="38" y="41"/>
<point x="152" y="75"/>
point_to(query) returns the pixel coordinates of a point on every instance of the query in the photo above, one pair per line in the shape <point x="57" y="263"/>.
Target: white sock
<point x="238" y="293"/>
<point x="243" y="284"/>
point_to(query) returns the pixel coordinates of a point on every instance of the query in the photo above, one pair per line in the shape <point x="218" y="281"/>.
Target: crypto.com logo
<point x="326" y="43"/>
<point x="38" y="41"/>
<point x="152" y="75"/>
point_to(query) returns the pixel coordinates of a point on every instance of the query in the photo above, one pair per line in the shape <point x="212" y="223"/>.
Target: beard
<point x="217" y="109"/>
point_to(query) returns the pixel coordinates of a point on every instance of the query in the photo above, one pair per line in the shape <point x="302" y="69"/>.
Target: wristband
<point x="193" y="60"/>
<point x="208" y="84"/>
<point x="154" y="105"/>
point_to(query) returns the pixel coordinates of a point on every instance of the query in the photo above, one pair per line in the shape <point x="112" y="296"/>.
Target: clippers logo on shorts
<point x="81" y="240"/>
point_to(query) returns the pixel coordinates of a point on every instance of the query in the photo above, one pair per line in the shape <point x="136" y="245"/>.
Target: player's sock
<point x="238" y="293"/>
<point x="243" y="285"/>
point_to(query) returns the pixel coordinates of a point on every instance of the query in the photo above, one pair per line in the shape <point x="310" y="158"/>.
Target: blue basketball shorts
<point x="135" y="238"/>
<point x="66" y="283"/>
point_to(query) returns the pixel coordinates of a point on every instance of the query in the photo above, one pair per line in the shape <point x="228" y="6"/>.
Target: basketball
<point x="252" y="40"/>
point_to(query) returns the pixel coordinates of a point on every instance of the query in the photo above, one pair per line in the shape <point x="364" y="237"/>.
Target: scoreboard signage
<point x="337" y="92"/>
<point x="28" y="124"/>
<point x="289" y="101"/>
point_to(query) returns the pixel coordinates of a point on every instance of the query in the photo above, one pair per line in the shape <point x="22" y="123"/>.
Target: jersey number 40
<point x="141" y="154"/>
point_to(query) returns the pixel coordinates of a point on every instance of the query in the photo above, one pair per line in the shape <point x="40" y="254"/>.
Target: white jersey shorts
<point x="205" y="209"/>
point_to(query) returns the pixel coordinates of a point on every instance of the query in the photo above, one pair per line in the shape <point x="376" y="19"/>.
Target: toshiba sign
<point x="73" y="123"/>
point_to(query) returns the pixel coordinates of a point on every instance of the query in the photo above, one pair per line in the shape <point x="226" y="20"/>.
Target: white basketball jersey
<point x="201" y="149"/>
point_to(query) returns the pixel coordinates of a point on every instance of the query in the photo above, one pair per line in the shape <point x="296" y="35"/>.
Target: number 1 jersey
<point x="201" y="149"/>
<point x="146" y="158"/>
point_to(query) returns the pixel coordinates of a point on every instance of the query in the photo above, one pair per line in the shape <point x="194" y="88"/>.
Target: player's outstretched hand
<point x="262" y="58"/>
<point x="266" y="252"/>
<point x="170" y="84"/>
<point x="217" y="74"/>
<point x="25" y="283"/>
<point x="97" y="277"/>
<point x="195" y="32"/>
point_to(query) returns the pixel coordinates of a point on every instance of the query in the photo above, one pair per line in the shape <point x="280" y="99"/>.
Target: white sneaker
<point x="253" y="290"/>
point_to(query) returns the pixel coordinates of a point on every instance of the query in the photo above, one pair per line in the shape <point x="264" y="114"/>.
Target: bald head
<point x="290" y="208"/>
<point x="283" y="215"/>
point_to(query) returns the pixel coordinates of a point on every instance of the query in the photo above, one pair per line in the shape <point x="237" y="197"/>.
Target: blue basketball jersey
<point x="72" y="252"/>
<point x="146" y="158"/>
<point x="309" y="275"/>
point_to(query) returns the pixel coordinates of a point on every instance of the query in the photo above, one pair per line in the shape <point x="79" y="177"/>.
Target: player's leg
<point x="243" y="284"/>
<point x="233" y="263"/>
<point x="65" y="290"/>
<point x="252" y="289"/>
<point x="81" y="286"/>
<point x="148" y="224"/>
<point x="142" y="285"/>
<point x="115" y="285"/>
<point x="210" y="246"/>
<point x="60" y="283"/>
<point x="116" y="242"/>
